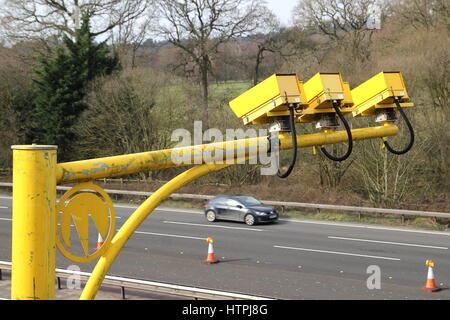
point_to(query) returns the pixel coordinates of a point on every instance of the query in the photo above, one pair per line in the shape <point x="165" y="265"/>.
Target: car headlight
<point x="260" y="213"/>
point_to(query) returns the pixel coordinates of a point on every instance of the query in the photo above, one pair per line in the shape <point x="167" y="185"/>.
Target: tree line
<point x="101" y="78"/>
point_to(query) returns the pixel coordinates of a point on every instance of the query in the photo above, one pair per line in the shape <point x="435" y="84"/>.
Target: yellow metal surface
<point x="76" y="206"/>
<point x="348" y="100"/>
<point x="320" y="91"/>
<point x="268" y="98"/>
<point x="378" y="92"/>
<point x="331" y="137"/>
<point x="85" y="170"/>
<point x="322" y="88"/>
<point x="125" y="232"/>
<point x="33" y="226"/>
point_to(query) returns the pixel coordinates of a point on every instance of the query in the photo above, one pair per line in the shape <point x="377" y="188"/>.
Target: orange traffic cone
<point x="210" y="258"/>
<point x="100" y="241"/>
<point x="430" y="285"/>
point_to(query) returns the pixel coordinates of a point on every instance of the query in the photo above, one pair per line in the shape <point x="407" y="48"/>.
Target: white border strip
<point x="168" y="235"/>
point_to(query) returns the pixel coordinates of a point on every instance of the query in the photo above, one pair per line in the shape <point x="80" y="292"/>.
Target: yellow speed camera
<point x="269" y="98"/>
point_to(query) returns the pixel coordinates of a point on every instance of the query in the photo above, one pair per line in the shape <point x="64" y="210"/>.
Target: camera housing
<point x="322" y="90"/>
<point x="269" y="99"/>
<point x="377" y="94"/>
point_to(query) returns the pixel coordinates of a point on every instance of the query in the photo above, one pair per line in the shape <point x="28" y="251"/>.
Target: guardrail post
<point x="34" y="223"/>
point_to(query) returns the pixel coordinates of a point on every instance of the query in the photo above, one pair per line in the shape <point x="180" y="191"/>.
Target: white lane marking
<point x="405" y="230"/>
<point x="125" y="206"/>
<point x="389" y="242"/>
<point x="340" y="253"/>
<point x="211" y="226"/>
<point x="168" y="235"/>
<point x="1" y="207"/>
<point x="6" y="219"/>
<point x="336" y="224"/>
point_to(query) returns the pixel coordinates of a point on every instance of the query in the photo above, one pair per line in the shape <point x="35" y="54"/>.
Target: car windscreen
<point x="248" y="201"/>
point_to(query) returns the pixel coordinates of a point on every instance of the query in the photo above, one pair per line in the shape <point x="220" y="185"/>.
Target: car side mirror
<point x="239" y="206"/>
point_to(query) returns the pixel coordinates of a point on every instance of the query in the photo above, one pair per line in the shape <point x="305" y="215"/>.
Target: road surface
<point x="292" y="259"/>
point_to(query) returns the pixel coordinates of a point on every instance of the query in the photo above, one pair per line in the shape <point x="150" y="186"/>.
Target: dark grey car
<point x="239" y="208"/>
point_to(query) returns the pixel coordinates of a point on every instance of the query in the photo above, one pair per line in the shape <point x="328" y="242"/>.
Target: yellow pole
<point x="34" y="224"/>
<point x="85" y="170"/>
<point x="126" y="231"/>
<point x="330" y="137"/>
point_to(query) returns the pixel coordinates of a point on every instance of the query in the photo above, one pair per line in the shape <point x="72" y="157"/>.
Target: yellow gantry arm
<point x="98" y="168"/>
<point x="85" y="170"/>
<point x="331" y="137"/>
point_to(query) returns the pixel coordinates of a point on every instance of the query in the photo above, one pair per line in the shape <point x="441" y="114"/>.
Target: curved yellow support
<point x="125" y="232"/>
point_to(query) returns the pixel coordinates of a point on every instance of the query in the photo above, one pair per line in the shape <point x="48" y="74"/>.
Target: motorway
<point x="291" y="259"/>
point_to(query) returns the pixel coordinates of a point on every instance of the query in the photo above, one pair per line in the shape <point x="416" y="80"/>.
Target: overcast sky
<point x="283" y="9"/>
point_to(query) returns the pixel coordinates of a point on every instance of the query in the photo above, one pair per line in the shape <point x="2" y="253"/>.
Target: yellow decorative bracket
<point x="85" y="200"/>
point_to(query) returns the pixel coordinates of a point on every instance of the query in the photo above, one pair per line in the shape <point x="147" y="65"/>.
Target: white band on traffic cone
<point x="100" y="241"/>
<point x="430" y="273"/>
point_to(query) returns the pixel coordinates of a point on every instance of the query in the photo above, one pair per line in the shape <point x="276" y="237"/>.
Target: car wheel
<point x="210" y="216"/>
<point x="249" y="219"/>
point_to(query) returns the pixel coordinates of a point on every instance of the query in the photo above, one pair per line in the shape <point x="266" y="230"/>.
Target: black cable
<point x="410" y="128"/>
<point x="349" y="134"/>
<point x="294" y="145"/>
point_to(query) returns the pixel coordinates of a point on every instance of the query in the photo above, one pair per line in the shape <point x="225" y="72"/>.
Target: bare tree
<point x="40" y="19"/>
<point x="280" y="41"/>
<point x="331" y="173"/>
<point x="388" y="179"/>
<point x="422" y="13"/>
<point x="344" y="21"/>
<point x="130" y="36"/>
<point x="199" y="27"/>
